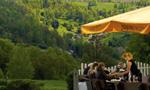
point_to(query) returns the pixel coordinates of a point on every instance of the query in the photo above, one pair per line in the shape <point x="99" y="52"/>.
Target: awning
<point x="137" y="21"/>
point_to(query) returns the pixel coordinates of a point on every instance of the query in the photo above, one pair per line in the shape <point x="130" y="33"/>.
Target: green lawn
<point x="54" y="85"/>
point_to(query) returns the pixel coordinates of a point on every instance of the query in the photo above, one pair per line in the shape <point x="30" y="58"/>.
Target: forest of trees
<point x="41" y="39"/>
<point x="20" y="61"/>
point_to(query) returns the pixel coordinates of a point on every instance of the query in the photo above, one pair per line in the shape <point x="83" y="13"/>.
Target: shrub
<point x="69" y="81"/>
<point x="1" y="74"/>
<point x="24" y="85"/>
<point x="20" y="66"/>
<point x="3" y="84"/>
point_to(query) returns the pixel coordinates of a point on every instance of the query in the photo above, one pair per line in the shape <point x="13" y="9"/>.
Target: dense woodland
<point x="40" y="39"/>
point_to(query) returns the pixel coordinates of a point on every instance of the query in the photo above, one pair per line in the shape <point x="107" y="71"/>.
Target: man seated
<point x="101" y="77"/>
<point x="121" y="67"/>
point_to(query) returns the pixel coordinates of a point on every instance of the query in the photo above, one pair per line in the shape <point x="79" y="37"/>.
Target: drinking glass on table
<point x="133" y="78"/>
<point x="136" y="79"/>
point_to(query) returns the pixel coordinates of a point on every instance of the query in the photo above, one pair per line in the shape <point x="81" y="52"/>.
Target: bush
<point x="20" y="65"/>
<point x="53" y="64"/>
<point x="1" y="74"/>
<point x="69" y="81"/>
<point x="24" y="85"/>
<point x="3" y="84"/>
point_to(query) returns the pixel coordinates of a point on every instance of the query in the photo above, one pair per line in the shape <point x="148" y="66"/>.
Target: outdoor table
<point x="128" y="85"/>
<point x="132" y="85"/>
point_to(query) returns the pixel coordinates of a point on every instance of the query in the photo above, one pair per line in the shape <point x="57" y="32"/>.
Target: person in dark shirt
<point x="101" y="73"/>
<point x="92" y="73"/>
<point x="131" y="67"/>
<point x="89" y="72"/>
<point x="148" y="79"/>
<point x="102" y="76"/>
<point x="86" y="70"/>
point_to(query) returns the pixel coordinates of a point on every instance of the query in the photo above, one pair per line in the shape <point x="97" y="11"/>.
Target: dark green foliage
<point x="25" y="61"/>
<point x="20" y="65"/>
<point x="3" y="84"/>
<point x="50" y="33"/>
<point x="22" y="25"/>
<point x="5" y="51"/>
<point x="69" y="81"/>
<point x="137" y="44"/>
<point x="100" y="53"/>
<point x="32" y="22"/>
<point x="140" y="47"/>
<point x="117" y="39"/>
<point x="53" y="64"/>
<point x="1" y="74"/>
<point x="24" y="85"/>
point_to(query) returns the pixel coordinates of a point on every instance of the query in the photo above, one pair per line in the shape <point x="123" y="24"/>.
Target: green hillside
<point x="41" y="40"/>
<point x="49" y="30"/>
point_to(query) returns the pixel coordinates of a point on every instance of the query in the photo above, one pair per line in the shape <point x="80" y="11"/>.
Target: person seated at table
<point x="89" y="72"/>
<point x="121" y="67"/>
<point x="101" y="77"/>
<point x="92" y="70"/>
<point x="131" y="67"/>
<point x="86" y="70"/>
<point x="92" y="74"/>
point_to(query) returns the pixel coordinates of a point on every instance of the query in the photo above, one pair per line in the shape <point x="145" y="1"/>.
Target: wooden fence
<point x="144" y="68"/>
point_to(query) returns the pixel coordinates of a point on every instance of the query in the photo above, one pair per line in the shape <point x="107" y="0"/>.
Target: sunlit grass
<point x="53" y="84"/>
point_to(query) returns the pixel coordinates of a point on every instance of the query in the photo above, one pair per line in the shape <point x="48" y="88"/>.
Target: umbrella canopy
<point x="134" y="21"/>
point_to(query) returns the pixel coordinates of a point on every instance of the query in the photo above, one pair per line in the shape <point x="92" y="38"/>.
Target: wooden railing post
<point x="141" y="67"/>
<point x="144" y="68"/>
<point x="148" y="69"/>
<point x="79" y="72"/>
<point x="75" y="80"/>
<point x="82" y="68"/>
